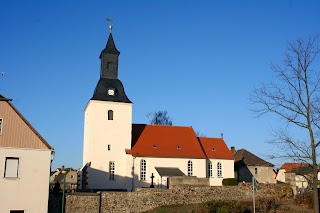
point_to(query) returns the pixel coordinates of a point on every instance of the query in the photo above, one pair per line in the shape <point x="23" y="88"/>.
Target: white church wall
<point x="99" y="132"/>
<point x="227" y="171"/>
<point x="199" y="169"/>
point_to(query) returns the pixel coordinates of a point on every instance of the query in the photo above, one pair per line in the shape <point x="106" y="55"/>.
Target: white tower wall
<point x="99" y="132"/>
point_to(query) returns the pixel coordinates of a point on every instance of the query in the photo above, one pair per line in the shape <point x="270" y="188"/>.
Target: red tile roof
<point x="163" y="141"/>
<point x="289" y="166"/>
<point x="220" y="148"/>
<point x="174" y="141"/>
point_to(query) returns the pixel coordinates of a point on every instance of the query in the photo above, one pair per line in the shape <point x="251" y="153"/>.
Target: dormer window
<point x="110" y="66"/>
<point x="178" y="147"/>
<point x="213" y="149"/>
<point x="154" y="146"/>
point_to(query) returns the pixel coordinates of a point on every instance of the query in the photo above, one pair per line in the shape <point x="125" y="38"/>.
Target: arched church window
<point x="209" y="169"/>
<point x="143" y="169"/>
<point x="190" y="168"/>
<point x="219" y="167"/>
<point x="110" y="115"/>
<point x="111" y="170"/>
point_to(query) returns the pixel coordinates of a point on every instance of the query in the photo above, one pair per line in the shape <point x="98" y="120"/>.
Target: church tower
<point x="107" y="128"/>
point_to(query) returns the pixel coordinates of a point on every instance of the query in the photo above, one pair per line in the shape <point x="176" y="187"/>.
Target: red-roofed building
<point x="119" y="155"/>
<point x="296" y="175"/>
<point x="155" y="146"/>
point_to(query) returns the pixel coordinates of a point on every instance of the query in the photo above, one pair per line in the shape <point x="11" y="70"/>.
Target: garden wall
<point x="145" y="199"/>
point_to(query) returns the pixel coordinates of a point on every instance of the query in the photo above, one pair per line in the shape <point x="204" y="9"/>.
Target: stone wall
<point x="187" y="180"/>
<point x="145" y="199"/>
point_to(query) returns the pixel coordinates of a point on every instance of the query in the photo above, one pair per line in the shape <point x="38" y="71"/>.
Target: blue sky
<point x="198" y="60"/>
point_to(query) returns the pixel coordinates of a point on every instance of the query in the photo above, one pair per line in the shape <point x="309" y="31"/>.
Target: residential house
<point x="25" y="163"/>
<point x="295" y="174"/>
<point x="248" y="165"/>
<point x="71" y="176"/>
<point x="53" y="175"/>
<point x="120" y="155"/>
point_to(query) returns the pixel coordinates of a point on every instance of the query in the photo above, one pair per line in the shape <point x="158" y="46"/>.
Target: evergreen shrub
<point x="230" y="182"/>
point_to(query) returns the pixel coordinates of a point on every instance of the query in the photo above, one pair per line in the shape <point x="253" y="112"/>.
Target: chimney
<point x="233" y="150"/>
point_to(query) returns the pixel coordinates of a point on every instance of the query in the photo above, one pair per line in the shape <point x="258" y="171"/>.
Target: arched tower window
<point x="219" y="167"/>
<point x="210" y="169"/>
<point x="143" y="169"/>
<point x="190" y="168"/>
<point x="112" y="168"/>
<point x="110" y="115"/>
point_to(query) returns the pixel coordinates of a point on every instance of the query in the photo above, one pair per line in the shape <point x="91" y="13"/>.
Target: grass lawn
<point x="233" y="207"/>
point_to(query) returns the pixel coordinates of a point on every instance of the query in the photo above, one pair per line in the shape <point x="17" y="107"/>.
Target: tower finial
<point x="110" y="26"/>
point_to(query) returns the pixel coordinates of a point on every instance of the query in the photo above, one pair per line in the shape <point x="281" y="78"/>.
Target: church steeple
<point x="109" y="87"/>
<point x="109" y="60"/>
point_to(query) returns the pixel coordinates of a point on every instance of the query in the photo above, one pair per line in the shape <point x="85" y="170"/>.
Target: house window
<point x="219" y="166"/>
<point x="110" y="66"/>
<point x="109" y="147"/>
<point x="190" y="168"/>
<point x="111" y="170"/>
<point x="16" y="211"/>
<point x="11" y="167"/>
<point x="110" y="115"/>
<point x="1" y="123"/>
<point x="143" y="169"/>
<point x="209" y="169"/>
<point x="255" y="171"/>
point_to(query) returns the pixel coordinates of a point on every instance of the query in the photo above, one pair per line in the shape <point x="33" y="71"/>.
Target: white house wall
<point x="99" y="132"/>
<point x="30" y="190"/>
<point x="281" y="175"/>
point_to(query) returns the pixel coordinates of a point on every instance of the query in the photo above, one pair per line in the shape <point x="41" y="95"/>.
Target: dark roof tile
<point x="244" y="157"/>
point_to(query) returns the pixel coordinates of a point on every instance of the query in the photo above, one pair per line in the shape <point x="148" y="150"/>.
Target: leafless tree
<point x="200" y="134"/>
<point x="294" y="97"/>
<point x="160" y="118"/>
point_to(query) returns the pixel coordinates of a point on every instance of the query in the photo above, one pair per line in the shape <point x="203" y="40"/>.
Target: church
<point x="119" y="155"/>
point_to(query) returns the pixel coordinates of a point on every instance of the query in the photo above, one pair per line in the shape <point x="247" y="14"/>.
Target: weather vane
<point x="110" y="26"/>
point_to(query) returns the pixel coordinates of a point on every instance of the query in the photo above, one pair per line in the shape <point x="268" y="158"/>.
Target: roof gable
<point x="17" y="131"/>
<point x="165" y="141"/>
<point x="245" y="157"/>
<point x="215" y="148"/>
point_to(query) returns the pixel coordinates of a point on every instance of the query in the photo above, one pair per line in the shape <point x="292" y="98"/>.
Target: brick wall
<point x="145" y="199"/>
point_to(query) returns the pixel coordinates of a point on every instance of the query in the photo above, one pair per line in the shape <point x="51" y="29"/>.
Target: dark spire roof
<point x="109" y="76"/>
<point x="244" y="157"/>
<point x="101" y="91"/>
<point x="110" y="47"/>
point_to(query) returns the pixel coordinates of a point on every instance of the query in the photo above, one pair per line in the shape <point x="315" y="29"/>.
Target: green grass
<point x="217" y="206"/>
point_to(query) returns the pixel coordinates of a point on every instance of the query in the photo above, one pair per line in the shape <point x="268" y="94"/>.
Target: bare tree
<point x="160" y="118"/>
<point x="200" y="134"/>
<point x="295" y="98"/>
